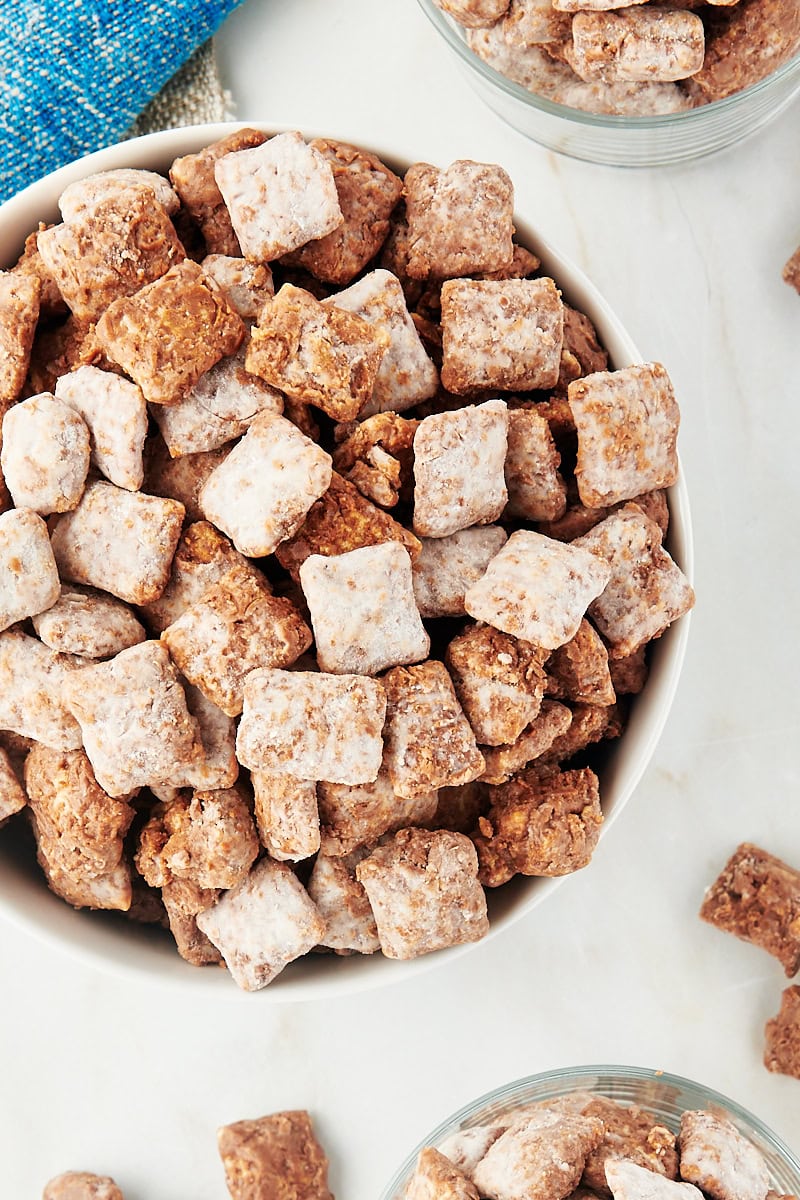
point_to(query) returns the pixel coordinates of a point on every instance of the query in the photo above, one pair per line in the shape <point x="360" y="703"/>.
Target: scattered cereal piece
<point x="458" y="469"/>
<point x="343" y="905"/>
<point x="424" y="892"/>
<point x="28" y="576"/>
<point x="261" y="925"/>
<point x="538" y="1161"/>
<point x="537" y="589"/>
<point x="782" y="1034"/>
<point x="719" y="1160"/>
<point x="261" y="493"/>
<point x="460" y="220"/>
<point x="501" y="334"/>
<point x="209" y="841"/>
<point x="203" y="556"/>
<point x="629" y="1181"/>
<point x="578" y="670"/>
<point x="181" y="478"/>
<point x="88" y="623"/>
<point x="120" y="541"/>
<point x="236" y="626"/>
<point x="499" y="682"/>
<point x="791" y="272"/>
<point x="363" y="611"/>
<point x="12" y="796"/>
<point x="133" y="716"/>
<point x="287" y="816"/>
<point x="446" y="568"/>
<point x="19" y="312"/>
<point x="115" y="414"/>
<point x="32" y="678"/>
<point x="170" y="333"/>
<point x="193" y="179"/>
<point x="549" y="725"/>
<point x="757" y="898"/>
<point x="183" y="902"/>
<point x="81" y="1185"/>
<point x="436" y="1178"/>
<point x="536" y="491"/>
<point x="274" y="1156"/>
<point x="376" y="455"/>
<point x="246" y="286"/>
<point x="429" y="743"/>
<point x="635" y="606"/>
<point x="356" y="816"/>
<point x="45" y="454"/>
<point x="312" y="725"/>
<point x="636" y="45"/>
<point x="83" y="195"/>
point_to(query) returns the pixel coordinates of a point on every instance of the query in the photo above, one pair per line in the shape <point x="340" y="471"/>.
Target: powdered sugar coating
<point x="80" y="197"/>
<point x="12" y="797"/>
<point x="115" y="413"/>
<point x="499" y="682"/>
<point x="88" y="623"/>
<point x="719" y="1160"/>
<point x="45" y="454"/>
<point x="81" y="1185"/>
<point x="535" y="22"/>
<point x="460" y="220"/>
<point x="446" y="568"/>
<point x="343" y="905"/>
<point x="629" y="1181"/>
<point x="637" y="45"/>
<point x="28" y="576"/>
<point x="32" y="680"/>
<point x="535" y="1161"/>
<point x="245" y="285"/>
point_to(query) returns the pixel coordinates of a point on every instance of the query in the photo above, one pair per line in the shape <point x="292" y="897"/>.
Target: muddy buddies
<point x="332" y="550"/>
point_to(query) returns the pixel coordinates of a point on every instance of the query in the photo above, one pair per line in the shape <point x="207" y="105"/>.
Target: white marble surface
<point x="615" y="966"/>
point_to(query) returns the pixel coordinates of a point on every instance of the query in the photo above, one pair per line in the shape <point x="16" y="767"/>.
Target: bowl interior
<point x="109" y="941"/>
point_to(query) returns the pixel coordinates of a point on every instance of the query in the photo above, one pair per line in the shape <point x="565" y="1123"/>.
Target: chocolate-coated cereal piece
<point x="274" y="1156"/>
<point x="537" y="1158"/>
<point x="578" y="670"/>
<point x="32" y="678"/>
<point x="628" y="1181"/>
<point x="536" y="490"/>
<point x="247" y="286"/>
<point x="81" y="1185"/>
<point x="193" y="178"/>
<point x="12" y="795"/>
<point x="549" y="725"/>
<point x="343" y="905"/>
<point x="782" y="1036"/>
<point x="499" y="682"/>
<point x="435" y="1176"/>
<point x="357" y="815"/>
<point x="636" y="45"/>
<point x="19" y="312"/>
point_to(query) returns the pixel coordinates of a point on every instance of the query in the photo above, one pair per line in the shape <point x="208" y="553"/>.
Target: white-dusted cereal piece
<point x="120" y="541"/>
<point x="447" y="567"/>
<point x="354" y="816"/>
<point x="466" y="1147"/>
<point x="538" y="589"/>
<point x="501" y="334"/>
<point x="82" y="195"/>
<point x="12" y="796"/>
<point x="499" y="682"/>
<point x="636" y="45"/>
<point x="535" y="23"/>
<point x="32" y="677"/>
<point x="719" y="1160"/>
<point x="280" y="195"/>
<point x="572" y="6"/>
<point x="458" y="469"/>
<point x="551" y="722"/>
<point x="646" y="591"/>
<point x="474" y="13"/>
<point x="19" y="312"/>
<point x="629" y="1181"/>
<point x="264" y="923"/>
<point x="536" y="491"/>
<point x="81" y="1185"/>
<point x="220" y="407"/>
<point x="218" y="768"/>
<point x="236" y="626"/>
<point x="209" y="841"/>
<point x="627" y="424"/>
<point x="274" y="1157"/>
<point x="537" y="1160"/>
<point x="112" y="889"/>
<point x="28" y="576"/>
<point x="429" y="743"/>
<point x="247" y="286"/>
<point x="460" y="220"/>
<point x="406" y="375"/>
<point x="262" y="491"/>
<point x="312" y="725"/>
<point x="424" y="891"/>
<point x="437" y="1178"/>
<point x="45" y="454"/>
<point x="202" y="557"/>
<point x="578" y="670"/>
<point x="133" y="716"/>
<point x="363" y="610"/>
<point x="181" y="478"/>
<point x="192" y="176"/>
<point x="88" y="623"/>
<point x="343" y="905"/>
<point x="115" y="414"/>
<point x="287" y="817"/>
<point x="183" y="901"/>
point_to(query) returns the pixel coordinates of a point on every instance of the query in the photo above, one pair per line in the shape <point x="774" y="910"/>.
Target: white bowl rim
<point x="136" y="957"/>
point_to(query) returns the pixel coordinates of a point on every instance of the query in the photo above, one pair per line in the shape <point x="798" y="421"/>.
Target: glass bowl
<point x="667" y="1096"/>
<point x="621" y="141"/>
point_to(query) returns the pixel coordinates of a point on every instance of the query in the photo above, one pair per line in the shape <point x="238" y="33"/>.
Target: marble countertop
<point x="131" y="1079"/>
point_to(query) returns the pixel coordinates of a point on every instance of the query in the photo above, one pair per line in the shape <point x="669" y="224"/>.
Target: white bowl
<point x="108" y="941"/>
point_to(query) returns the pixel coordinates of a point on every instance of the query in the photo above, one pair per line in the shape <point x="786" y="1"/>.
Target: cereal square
<point x="536" y="491"/>
<point x="458" y="469"/>
<point x="276" y="1156"/>
<point x="312" y="725"/>
<point x="503" y="334"/>
<point x="28" y="576"/>
<point x="287" y="816"/>
<point x="446" y="568"/>
<point x="363" y="611"/>
<point x="343" y="905"/>
<point x="406" y="374"/>
<point x="538" y="1158"/>
<point x="791" y="275"/>
<point x="499" y="682"/>
<point x="429" y="742"/>
<point x="236" y="626"/>
<point x="719" y="1160"/>
<point x="83" y="195"/>
<point x="627" y="424"/>
<point x="340" y="521"/>
<point x="635" y="606"/>
<point x="208" y="840"/>
<point x="115" y="414"/>
<point x="246" y="286"/>
<point x="317" y="353"/>
<point x="181" y="478"/>
<point x="262" y="925"/>
<point x="578" y="670"/>
<point x="537" y="589"/>
<point x="170" y="333"/>
<point x="19" y="312"/>
<point x="81" y="1185"/>
<point x="132" y="713"/>
<point x="636" y="46"/>
<point x="536" y="825"/>
<point x="757" y="898"/>
<point x="120" y="541"/>
<point x="88" y="623"/>
<point x="193" y="178"/>
<point x="424" y="892"/>
<point x="32" y="679"/>
<point x="435" y="1175"/>
<point x="202" y="557"/>
<point x="261" y="493"/>
<point x="45" y="454"/>
<point x="550" y="724"/>
<point x="353" y="817"/>
<point x="460" y="220"/>
<point x="12" y="796"/>
<point x="280" y="195"/>
<point x="367" y="191"/>
<point x="782" y="1035"/>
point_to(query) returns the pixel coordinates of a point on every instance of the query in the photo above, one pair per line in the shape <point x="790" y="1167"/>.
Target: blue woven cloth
<point x="75" y="73"/>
